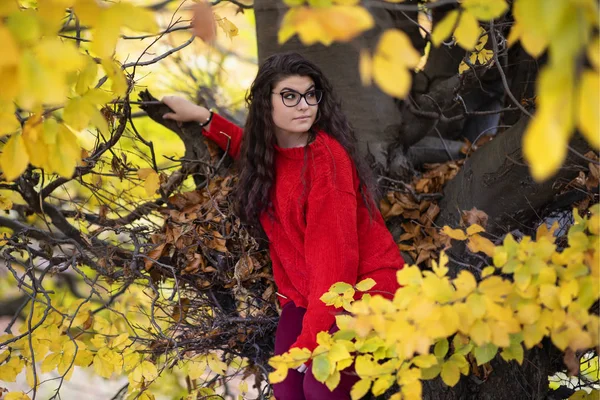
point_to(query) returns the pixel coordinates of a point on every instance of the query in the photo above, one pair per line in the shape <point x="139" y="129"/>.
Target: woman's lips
<point x="302" y="118"/>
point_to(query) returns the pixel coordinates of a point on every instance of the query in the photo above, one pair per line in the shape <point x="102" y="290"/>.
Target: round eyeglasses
<point x="291" y="98"/>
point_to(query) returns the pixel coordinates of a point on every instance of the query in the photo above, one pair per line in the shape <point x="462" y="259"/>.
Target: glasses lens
<point x="290" y="99"/>
<point x="313" y="97"/>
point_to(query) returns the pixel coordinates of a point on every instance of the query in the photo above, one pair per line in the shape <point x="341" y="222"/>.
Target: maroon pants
<point x="304" y="386"/>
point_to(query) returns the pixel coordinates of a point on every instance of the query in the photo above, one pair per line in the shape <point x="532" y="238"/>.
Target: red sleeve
<point x="330" y="245"/>
<point x="224" y="132"/>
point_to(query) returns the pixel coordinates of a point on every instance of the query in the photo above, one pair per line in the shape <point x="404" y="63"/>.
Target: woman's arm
<point x="224" y="133"/>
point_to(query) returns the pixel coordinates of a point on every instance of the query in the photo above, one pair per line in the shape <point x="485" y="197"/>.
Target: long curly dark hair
<point x="258" y="152"/>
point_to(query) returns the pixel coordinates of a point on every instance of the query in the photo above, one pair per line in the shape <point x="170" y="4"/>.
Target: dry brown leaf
<point x="474" y="216"/>
<point x="217" y="242"/>
<point x="571" y="362"/>
<point x="154" y="254"/>
<point x="203" y="22"/>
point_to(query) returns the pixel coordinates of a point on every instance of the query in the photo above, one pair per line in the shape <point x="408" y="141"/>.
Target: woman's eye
<point x="290" y="96"/>
<point x="310" y="94"/>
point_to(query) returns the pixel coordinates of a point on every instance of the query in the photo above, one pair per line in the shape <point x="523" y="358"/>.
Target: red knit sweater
<point x="320" y="230"/>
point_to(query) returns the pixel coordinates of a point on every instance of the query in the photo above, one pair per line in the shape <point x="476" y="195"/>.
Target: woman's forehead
<point x="295" y="82"/>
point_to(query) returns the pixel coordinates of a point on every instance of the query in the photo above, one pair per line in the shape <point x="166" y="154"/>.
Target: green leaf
<point x="340" y="287"/>
<point x="441" y="348"/>
<point x="425" y="361"/>
<point x="485" y="353"/>
<point x="320" y="368"/>
<point x="430" y="373"/>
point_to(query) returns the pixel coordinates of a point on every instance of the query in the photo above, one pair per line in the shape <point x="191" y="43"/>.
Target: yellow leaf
<point x="464" y="283"/>
<point x="392" y="58"/>
<point x="478" y="243"/>
<point x="152" y="180"/>
<point x="39" y="84"/>
<point x="106" y="32"/>
<point x="456" y="234"/>
<point x="480" y="333"/>
<point x="10" y="49"/>
<point x="338" y="352"/>
<point x="528" y="313"/>
<point x="544" y="146"/>
<point x="8" y="7"/>
<point x="25" y="26"/>
<point x="88" y="11"/>
<point x="344" y="23"/>
<point x="531" y="29"/>
<point x="589" y="106"/>
<point x="467" y="31"/>
<point x="485" y="10"/>
<point x="59" y="55"/>
<point x="411" y="391"/>
<point x="14" y="158"/>
<point x="333" y="381"/>
<point x="87" y="76"/>
<point x="137" y="18"/>
<point x="425" y="361"/>
<point x="103" y="365"/>
<point x="495" y="288"/>
<point x="473" y="229"/>
<point x="409" y="276"/>
<point x="115" y="74"/>
<point x="5" y="203"/>
<point x="278" y="375"/>
<point x="593" y="52"/>
<point x="360" y="388"/>
<point x="217" y="366"/>
<point x="487" y="271"/>
<point x="444" y="28"/>
<point x="50" y="362"/>
<point x="149" y="371"/>
<point x="382" y="384"/>
<point x="8" y="120"/>
<point x="227" y="26"/>
<point x="450" y="373"/>
<point x="365" y="284"/>
<point x="16" y="396"/>
<point x="66" y="153"/>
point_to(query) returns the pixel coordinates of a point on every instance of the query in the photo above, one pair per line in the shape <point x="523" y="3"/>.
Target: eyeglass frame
<point x="302" y="96"/>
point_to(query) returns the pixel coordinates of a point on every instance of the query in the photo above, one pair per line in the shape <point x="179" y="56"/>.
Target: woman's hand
<point x="184" y="110"/>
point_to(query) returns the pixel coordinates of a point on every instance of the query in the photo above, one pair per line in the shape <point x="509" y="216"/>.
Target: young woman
<point x="303" y="183"/>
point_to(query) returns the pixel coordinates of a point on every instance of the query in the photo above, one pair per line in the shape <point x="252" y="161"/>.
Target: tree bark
<point x="496" y="180"/>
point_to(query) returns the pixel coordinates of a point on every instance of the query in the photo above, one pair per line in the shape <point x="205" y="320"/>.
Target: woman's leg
<point x="315" y="390"/>
<point x="288" y="330"/>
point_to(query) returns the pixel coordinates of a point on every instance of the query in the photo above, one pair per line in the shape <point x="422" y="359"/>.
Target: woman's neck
<point x="288" y="140"/>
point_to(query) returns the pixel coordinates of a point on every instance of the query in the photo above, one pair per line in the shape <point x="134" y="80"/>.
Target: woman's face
<point x="293" y="119"/>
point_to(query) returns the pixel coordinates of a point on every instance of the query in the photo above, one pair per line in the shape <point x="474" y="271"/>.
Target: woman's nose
<point x="302" y="105"/>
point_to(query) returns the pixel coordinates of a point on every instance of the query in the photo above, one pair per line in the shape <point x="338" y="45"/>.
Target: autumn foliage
<point x="136" y="269"/>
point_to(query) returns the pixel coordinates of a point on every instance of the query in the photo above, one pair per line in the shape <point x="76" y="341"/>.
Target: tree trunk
<point x="496" y="180"/>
